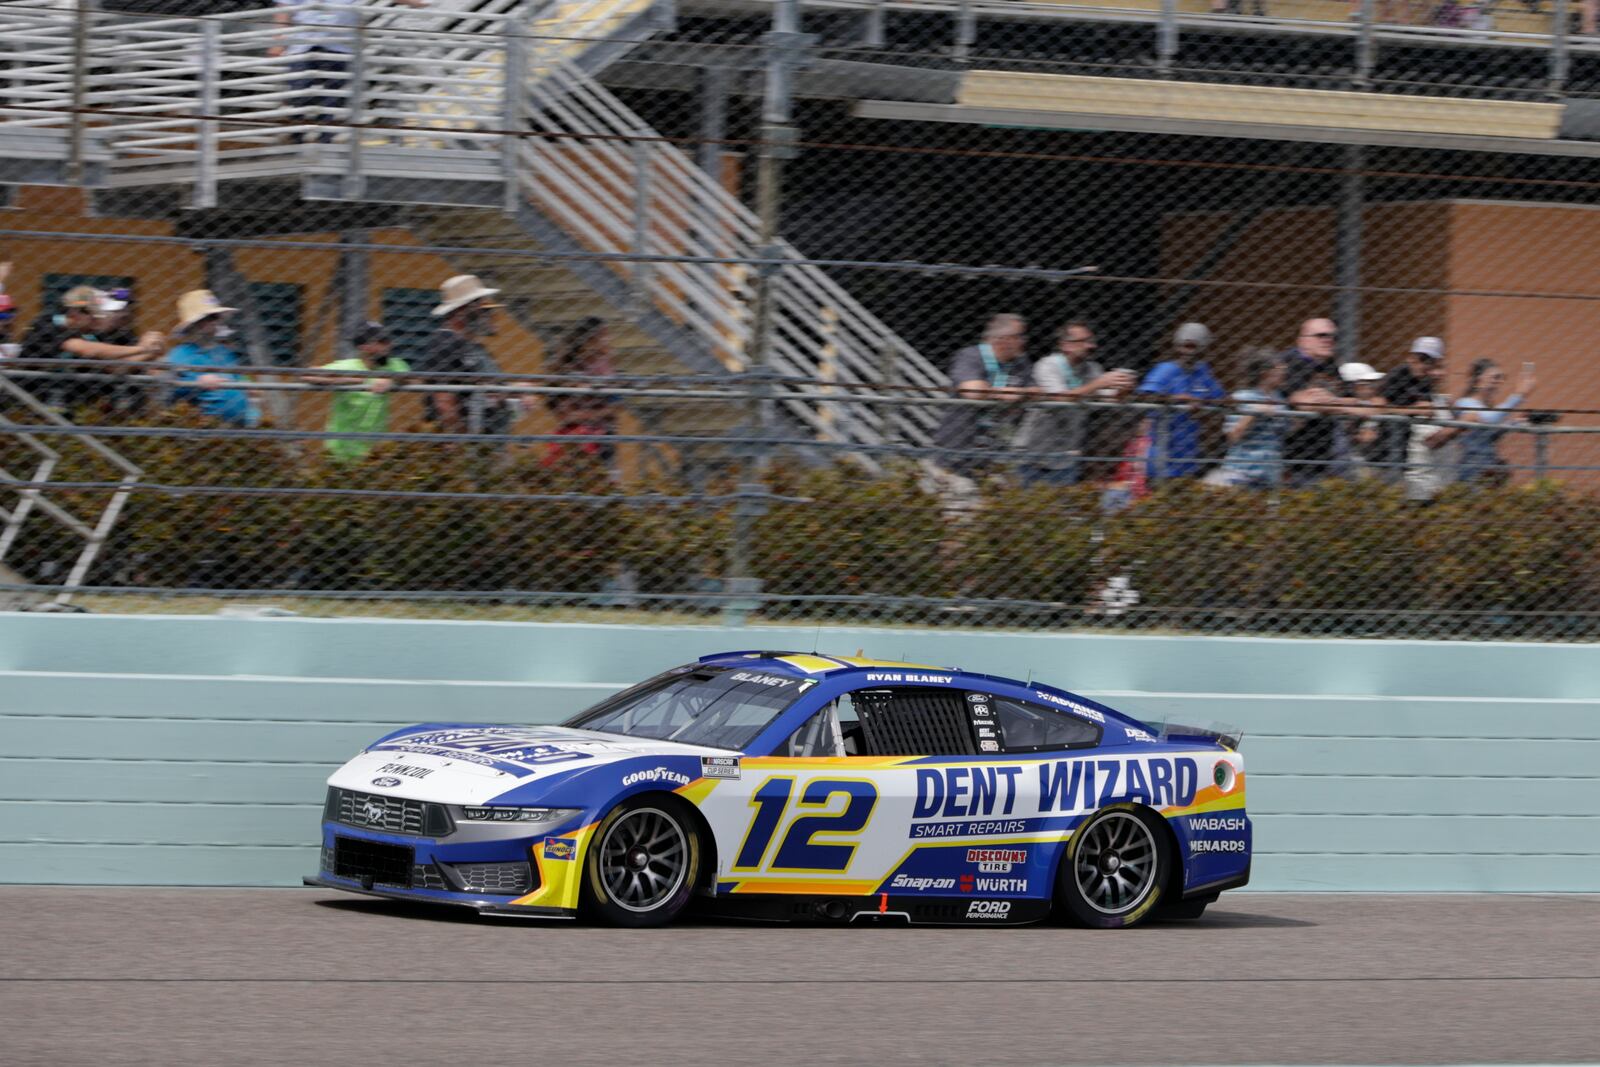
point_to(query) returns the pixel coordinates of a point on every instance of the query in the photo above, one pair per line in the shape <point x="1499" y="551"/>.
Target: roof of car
<point x="811" y="663"/>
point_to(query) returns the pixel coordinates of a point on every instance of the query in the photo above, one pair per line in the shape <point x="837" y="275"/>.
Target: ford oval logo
<point x="386" y="783"/>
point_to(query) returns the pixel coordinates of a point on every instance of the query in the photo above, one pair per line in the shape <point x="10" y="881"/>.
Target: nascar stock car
<point x="800" y="787"/>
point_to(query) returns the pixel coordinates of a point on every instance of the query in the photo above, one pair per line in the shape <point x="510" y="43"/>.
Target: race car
<point x="801" y="787"/>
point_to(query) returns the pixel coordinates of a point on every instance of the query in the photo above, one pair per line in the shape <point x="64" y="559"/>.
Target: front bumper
<point x="524" y="875"/>
<point x="496" y="905"/>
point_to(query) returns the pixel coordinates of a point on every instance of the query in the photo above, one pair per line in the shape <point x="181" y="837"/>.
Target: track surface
<point x="216" y="976"/>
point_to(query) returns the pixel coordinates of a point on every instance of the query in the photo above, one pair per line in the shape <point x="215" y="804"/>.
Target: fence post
<point x="1167" y="37"/>
<point x="1348" y="241"/>
<point x="1541" y="455"/>
<point x="512" y="104"/>
<point x="966" y="31"/>
<point x="1366" y="45"/>
<point x="205" y="174"/>
<point x="80" y="90"/>
<point x="784" y="43"/>
<point x="355" y="102"/>
<point x="1559" y="55"/>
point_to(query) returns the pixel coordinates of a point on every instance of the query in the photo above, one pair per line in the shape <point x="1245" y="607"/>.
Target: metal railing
<point x="478" y="525"/>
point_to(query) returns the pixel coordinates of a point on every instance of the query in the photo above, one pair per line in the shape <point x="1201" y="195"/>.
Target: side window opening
<point x="1028" y="727"/>
<point x="833" y="731"/>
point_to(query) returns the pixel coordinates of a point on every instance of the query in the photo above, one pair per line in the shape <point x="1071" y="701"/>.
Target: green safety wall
<point x="192" y="750"/>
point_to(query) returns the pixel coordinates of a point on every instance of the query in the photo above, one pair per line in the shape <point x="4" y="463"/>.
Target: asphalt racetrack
<point x="219" y="976"/>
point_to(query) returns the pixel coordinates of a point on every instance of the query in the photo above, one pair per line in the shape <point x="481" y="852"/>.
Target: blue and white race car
<point x="800" y="787"/>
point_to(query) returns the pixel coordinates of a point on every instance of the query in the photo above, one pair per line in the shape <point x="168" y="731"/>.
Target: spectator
<point x="1187" y="378"/>
<point x="1408" y="390"/>
<point x="364" y="409"/>
<point x="586" y="351"/>
<point x="72" y="333"/>
<point x="202" y="328"/>
<point x="8" y="316"/>
<point x="1311" y="448"/>
<point x="1254" y="429"/>
<point x="466" y="315"/>
<point x="1361" y="444"/>
<point x="1433" y="452"/>
<point x="1481" y="462"/>
<point x="114" y="325"/>
<point x="996" y="370"/>
<point x="320" y="35"/>
<point x="1056" y="436"/>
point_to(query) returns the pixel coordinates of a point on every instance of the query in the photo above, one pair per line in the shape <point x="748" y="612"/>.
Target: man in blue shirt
<point x="202" y="325"/>
<point x="1175" y="441"/>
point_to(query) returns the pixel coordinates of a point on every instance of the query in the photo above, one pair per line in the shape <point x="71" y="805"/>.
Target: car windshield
<point x="711" y="706"/>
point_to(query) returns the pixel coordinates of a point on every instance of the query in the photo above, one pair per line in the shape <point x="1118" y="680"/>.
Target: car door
<point x="832" y="811"/>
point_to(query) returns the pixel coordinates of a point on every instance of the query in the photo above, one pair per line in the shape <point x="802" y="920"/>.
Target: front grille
<point x="384" y="864"/>
<point x="427" y="876"/>
<point x="394" y="815"/>
<point x="513" y="879"/>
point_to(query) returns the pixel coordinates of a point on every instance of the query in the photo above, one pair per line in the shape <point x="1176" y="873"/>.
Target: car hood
<point x="473" y="764"/>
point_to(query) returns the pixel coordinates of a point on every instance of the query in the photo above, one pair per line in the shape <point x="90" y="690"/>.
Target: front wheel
<point x="1115" y="869"/>
<point x="642" y="863"/>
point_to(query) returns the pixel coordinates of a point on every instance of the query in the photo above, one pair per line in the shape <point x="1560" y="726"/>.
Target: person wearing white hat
<point x="1409" y="390"/>
<point x="465" y="315"/>
<point x="203" y="365"/>
<point x="1362" y="444"/>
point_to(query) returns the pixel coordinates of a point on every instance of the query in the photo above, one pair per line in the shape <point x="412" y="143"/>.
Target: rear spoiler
<point x="1221" y="733"/>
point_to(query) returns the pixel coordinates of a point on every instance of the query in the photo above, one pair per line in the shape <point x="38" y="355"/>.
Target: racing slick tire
<point x="643" y="862"/>
<point x="1115" y="870"/>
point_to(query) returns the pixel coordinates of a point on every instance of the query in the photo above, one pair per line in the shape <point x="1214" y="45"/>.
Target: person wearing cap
<point x="1187" y="378"/>
<point x="1409" y="390"/>
<point x="1361" y="445"/>
<point x="204" y="364"/>
<point x="114" y="326"/>
<point x="465" y="315"/>
<point x="360" y="406"/>
<point x="73" y="333"/>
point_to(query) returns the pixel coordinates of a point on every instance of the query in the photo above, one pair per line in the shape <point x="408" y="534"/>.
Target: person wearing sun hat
<point x="465" y="315"/>
<point x="71" y="333"/>
<point x="204" y="373"/>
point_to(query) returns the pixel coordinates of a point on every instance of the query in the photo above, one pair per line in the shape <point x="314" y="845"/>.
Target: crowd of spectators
<point x="92" y="360"/>
<point x="1298" y="416"/>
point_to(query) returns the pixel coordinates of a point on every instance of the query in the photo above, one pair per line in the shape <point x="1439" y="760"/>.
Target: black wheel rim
<point x="644" y="858"/>
<point x="1115" y="865"/>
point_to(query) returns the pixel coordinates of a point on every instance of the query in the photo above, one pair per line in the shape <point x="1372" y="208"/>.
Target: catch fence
<point x="738" y="248"/>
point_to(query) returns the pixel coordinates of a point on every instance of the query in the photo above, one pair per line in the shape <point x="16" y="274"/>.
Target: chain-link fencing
<point x="1269" y="320"/>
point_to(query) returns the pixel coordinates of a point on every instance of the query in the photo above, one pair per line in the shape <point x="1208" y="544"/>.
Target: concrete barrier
<point x="192" y="750"/>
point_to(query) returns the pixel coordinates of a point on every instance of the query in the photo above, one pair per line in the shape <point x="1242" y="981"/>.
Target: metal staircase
<point x="197" y="103"/>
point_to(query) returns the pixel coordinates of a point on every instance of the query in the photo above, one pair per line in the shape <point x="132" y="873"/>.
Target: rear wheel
<point x="1115" y="869"/>
<point x="642" y="863"/>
